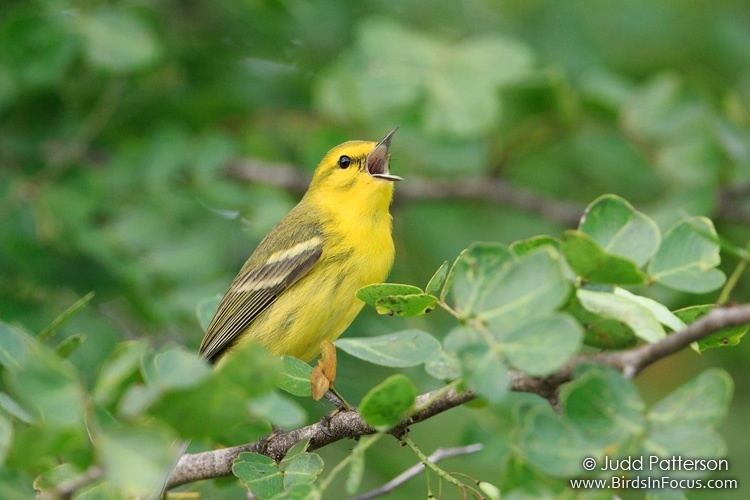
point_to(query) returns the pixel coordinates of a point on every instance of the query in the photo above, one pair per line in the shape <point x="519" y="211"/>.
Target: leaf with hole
<point x="726" y="337"/>
<point x="371" y="294"/>
<point x="406" y="305"/>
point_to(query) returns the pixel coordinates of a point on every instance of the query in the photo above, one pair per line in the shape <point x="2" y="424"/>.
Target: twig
<point x="484" y="189"/>
<point x="634" y="360"/>
<point x="439" y="471"/>
<point x="64" y="316"/>
<point x="350" y="424"/>
<point x="734" y="278"/>
<point x="66" y="489"/>
<point x="325" y="483"/>
<point x="416" y="469"/>
<point x="490" y="190"/>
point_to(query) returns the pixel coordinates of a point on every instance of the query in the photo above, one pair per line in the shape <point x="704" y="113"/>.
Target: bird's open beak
<point x="377" y="161"/>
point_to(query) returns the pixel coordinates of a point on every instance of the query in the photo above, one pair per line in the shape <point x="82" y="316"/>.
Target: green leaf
<point x="687" y="257"/>
<point x="51" y="478"/>
<point x="435" y="285"/>
<point x="216" y="403"/>
<point x="100" y="491"/>
<point x="444" y="366"/>
<point x="625" y="310"/>
<point x="505" y="293"/>
<point x="43" y="382"/>
<point x="400" y="349"/>
<point x="703" y="401"/>
<point x="484" y="371"/>
<point x="6" y="437"/>
<point x="118" y="41"/>
<point x="472" y="273"/>
<point x="302" y="469"/>
<point x="599" y="331"/>
<point x="371" y="294"/>
<point x="389" y="402"/>
<point x="53" y="48"/>
<point x="14" y="409"/>
<point x="295" y="376"/>
<point x="621" y="230"/>
<point x="64" y="316"/>
<point x="522" y="247"/>
<point x="530" y="286"/>
<point x="542" y="345"/>
<point x="593" y="264"/>
<point x="206" y="309"/>
<point x="721" y="338"/>
<point x="660" y="311"/>
<point x="357" y="466"/>
<point x="136" y="459"/>
<point x="175" y="368"/>
<point x="406" y="305"/>
<point x="301" y="491"/>
<point x="66" y="347"/>
<point x="281" y="411"/>
<point x="604" y="407"/>
<point x="462" y="89"/>
<point x="684" y="440"/>
<point x="15" y="346"/>
<point x="121" y="366"/>
<point x="296" y="449"/>
<point x="259" y="473"/>
<point x="553" y="445"/>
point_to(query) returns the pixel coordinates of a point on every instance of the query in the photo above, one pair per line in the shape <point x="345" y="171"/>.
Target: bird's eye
<point x="344" y="161"/>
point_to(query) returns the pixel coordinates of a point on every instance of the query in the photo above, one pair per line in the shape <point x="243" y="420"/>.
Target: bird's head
<point x="356" y="170"/>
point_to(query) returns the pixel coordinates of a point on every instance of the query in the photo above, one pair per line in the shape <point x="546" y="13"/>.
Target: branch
<point x="350" y="424"/>
<point x="416" y="469"/>
<point x="485" y="189"/>
<point x="490" y="190"/>
<point x="67" y="488"/>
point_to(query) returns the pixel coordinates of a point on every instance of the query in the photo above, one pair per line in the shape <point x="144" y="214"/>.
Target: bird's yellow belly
<point x="320" y="306"/>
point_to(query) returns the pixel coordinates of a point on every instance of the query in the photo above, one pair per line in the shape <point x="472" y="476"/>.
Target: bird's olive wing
<point x="254" y="290"/>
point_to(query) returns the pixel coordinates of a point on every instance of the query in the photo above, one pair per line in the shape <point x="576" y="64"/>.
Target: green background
<point x="118" y="121"/>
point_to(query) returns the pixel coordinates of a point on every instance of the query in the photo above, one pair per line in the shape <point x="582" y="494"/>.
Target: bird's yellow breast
<point x="357" y="251"/>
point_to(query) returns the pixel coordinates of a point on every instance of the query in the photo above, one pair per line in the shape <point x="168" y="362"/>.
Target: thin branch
<point x="66" y="489"/>
<point x="350" y="424"/>
<point x="484" y="189"/>
<point x="734" y="278"/>
<point x="489" y="190"/>
<point x="634" y="360"/>
<point x="416" y="469"/>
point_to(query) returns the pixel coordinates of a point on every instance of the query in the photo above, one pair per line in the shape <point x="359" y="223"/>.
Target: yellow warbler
<point x="299" y="286"/>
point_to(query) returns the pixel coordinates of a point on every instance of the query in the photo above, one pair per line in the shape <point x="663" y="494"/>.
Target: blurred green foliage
<point x="118" y="119"/>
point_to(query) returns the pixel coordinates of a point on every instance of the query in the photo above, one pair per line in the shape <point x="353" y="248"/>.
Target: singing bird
<point x="298" y="288"/>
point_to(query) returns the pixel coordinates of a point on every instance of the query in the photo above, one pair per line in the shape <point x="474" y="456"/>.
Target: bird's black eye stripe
<point x="344" y="161"/>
